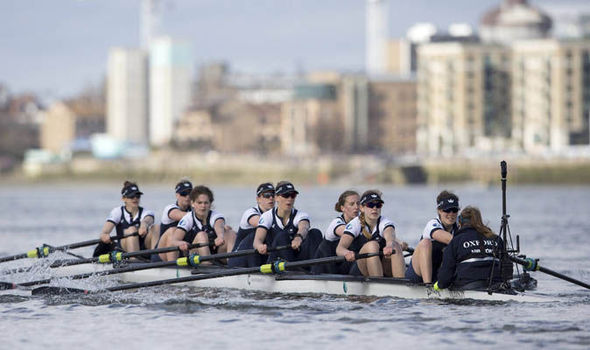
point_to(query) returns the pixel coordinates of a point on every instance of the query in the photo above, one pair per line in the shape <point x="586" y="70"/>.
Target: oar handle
<point x="117" y="256"/>
<point x="326" y="260"/>
<point x="194" y="260"/>
<point x="533" y="265"/>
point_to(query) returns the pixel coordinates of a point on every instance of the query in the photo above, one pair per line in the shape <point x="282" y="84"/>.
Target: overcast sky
<point x="57" y="47"/>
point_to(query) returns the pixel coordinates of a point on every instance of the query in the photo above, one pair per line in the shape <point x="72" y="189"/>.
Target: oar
<point x="276" y="267"/>
<point x="533" y="265"/>
<point x="119" y="256"/>
<point x="410" y="251"/>
<point x="52" y="248"/>
<point x="45" y="250"/>
<point x="193" y="261"/>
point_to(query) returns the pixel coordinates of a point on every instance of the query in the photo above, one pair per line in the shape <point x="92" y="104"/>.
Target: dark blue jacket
<point x="469" y="258"/>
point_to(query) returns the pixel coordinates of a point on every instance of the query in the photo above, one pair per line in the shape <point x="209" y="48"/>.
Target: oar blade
<point x="52" y="290"/>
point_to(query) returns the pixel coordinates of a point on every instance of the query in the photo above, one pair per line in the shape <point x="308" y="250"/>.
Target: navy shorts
<point x="155" y="258"/>
<point x="411" y="274"/>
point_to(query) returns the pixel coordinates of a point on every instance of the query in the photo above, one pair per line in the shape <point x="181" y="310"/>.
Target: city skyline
<point x="265" y="38"/>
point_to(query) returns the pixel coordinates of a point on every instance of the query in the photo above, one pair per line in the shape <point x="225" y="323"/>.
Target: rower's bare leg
<point x="164" y="243"/>
<point x="130" y="244"/>
<point x="151" y="238"/>
<point x="154" y="234"/>
<point x="371" y="266"/>
<point x="422" y="260"/>
<point x="202" y="238"/>
<point x="230" y="240"/>
<point x="398" y="265"/>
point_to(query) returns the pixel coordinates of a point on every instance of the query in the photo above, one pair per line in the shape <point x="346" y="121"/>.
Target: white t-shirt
<point x="189" y="221"/>
<point x="354" y="227"/>
<point x="166" y="220"/>
<point x="119" y="214"/>
<point x="433" y="225"/>
<point x="330" y="233"/>
<point x="266" y="219"/>
<point x="249" y="213"/>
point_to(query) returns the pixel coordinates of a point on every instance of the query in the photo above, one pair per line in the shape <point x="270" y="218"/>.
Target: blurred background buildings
<point x="519" y="84"/>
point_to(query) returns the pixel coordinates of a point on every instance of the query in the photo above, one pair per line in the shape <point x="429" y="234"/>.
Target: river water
<point x="553" y="224"/>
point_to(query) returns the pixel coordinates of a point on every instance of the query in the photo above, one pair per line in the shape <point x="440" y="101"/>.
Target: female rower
<point x="202" y="225"/>
<point x="437" y="234"/>
<point x="285" y="225"/>
<point x="172" y="215"/>
<point x="348" y="205"/>
<point x="128" y="219"/>
<point x="373" y="232"/>
<point x="472" y="258"/>
<point x="265" y="200"/>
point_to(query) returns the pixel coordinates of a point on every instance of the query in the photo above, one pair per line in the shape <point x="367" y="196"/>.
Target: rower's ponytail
<point x="364" y="230"/>
<point x="471" y="217"/>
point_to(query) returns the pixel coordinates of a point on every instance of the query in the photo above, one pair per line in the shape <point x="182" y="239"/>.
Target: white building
<point x="127" y="95"/>
<point x="171" y="76"/>
<point x="376" y="36"/>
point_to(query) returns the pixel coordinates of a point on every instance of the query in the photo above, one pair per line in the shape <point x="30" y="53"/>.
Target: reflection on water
<point x="552" y="222"/>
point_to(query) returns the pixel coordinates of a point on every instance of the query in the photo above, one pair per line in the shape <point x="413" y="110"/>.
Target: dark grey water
<point x="553" y="223"/>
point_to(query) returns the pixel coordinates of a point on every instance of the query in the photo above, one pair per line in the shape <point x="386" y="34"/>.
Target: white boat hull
<point x="309" y="284"/>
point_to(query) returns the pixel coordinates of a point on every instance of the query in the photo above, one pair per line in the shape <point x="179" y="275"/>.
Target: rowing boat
<point x="301" y="283"/>
<point x="265" y="279"/>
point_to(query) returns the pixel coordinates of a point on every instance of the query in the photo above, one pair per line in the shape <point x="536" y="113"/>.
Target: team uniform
<point x="469" y="259"/>
<point x="328" y="248"/>
<point x="192" y="225"/>
<point x="245" y="230"/>
<point x="245" y="240"/>
<point x="281" y="235"/>
<point x="437" y="249"/>
<point x="166" y="222"/>
<point x="354" y="228"/>
<point x="122" y="220"/>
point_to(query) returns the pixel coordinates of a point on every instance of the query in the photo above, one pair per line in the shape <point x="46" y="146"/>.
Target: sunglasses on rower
<point x="451" y="210"/>
<point x="184" y="193"/>
<point x="289" y="195"/>
<point x="377" y="205"/>
<point x="267" y="195"/>
<point x="138" y="196"/>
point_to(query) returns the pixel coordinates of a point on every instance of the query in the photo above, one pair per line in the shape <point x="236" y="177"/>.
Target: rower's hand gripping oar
<point x="44" y="250"/>
<point x="533" y="265"/>
<point x="410" y="251"/>
<point x="190" y="261"/>
<point x="276" y="267"/>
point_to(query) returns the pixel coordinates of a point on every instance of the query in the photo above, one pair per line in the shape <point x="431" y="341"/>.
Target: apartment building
<point x="463" y="98"/>
<point x="551" y="94"/>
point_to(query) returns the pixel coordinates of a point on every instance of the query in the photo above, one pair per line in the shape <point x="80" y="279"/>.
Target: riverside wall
<point x="214" y="168"/>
